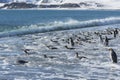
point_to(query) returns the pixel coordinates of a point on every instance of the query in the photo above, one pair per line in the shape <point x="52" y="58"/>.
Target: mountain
<point x="4" y="1"/>
<point x="109" y="4"/>
<point x="81" y="4"/>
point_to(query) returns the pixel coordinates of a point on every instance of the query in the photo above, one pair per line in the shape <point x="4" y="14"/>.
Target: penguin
<point x="106" y="41"/>
<point x="26" y="51"/>
<point x="80" y="57"/>
<point x="22" y="62"/>
<point x="51" y="47"/>
<point x="67" y="47"/>
<point x="114" y="33"/>
<point x="101" y="39"/>
<point x="113" y="55"/>
<point x="51" y="57"/>
<point x="71" y="41"/>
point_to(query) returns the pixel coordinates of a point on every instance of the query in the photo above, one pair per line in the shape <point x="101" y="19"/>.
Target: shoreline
<point x="82" y="9"/>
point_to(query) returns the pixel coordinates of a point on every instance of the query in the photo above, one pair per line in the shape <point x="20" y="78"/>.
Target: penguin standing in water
<point x="101" y="39"/>
<point x="106" y="41"/>
<point x="113" y="55"/>
<point x="71" y="41"/>
<point x="115" y="32"/>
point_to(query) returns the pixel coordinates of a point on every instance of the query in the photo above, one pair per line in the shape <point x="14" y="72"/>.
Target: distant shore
<point x="107" y="9"/>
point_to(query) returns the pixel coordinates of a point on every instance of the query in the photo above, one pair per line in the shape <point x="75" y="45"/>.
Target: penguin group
<point x="73" y="41"/>
<point x="106" y="41"/>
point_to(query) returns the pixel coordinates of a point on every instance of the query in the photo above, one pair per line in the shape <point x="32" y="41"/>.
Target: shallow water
<point x="65" y="66"/>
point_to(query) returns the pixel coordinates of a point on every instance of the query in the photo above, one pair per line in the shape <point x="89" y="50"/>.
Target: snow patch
<point x="2" y="4"/>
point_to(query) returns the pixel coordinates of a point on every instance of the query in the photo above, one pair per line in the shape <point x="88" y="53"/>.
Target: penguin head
<point x="110" y="49"/>
<point x="26" y="50"/>
<point x="76" y="54"/>
<point x="45" y="56"/>
<point x="105" y="37"/>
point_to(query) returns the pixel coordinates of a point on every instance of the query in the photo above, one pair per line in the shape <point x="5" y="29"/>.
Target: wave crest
<point x="61" y="25"/>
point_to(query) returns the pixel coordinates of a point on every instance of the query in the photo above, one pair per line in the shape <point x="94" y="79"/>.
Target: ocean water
<point x="16" y="21"/>
<point x="34" y="30"/>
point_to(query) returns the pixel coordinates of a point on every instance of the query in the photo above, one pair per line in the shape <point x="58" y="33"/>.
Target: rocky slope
<point x="16" y="5"/>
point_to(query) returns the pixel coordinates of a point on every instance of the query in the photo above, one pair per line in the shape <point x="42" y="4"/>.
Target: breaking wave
<point x="60" y="25"/>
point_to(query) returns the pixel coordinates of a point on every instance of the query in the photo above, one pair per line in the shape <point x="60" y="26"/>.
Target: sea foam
<point x="60" y="25"/>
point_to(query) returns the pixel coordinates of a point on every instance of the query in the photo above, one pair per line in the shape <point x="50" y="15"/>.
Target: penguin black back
<point x="22" y="61"/>
<point x="113" y="56"/>
<point x="101" y="39"/>
<point x="106" y="41"/>
<point x="71" y="41"/>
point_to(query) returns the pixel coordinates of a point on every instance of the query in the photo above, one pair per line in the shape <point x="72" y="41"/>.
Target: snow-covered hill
<point x="82" y="4"/>
<point x="108" y="4"/>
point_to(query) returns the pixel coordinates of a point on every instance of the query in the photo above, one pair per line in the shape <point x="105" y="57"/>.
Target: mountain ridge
<point x="82" y="4"/>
